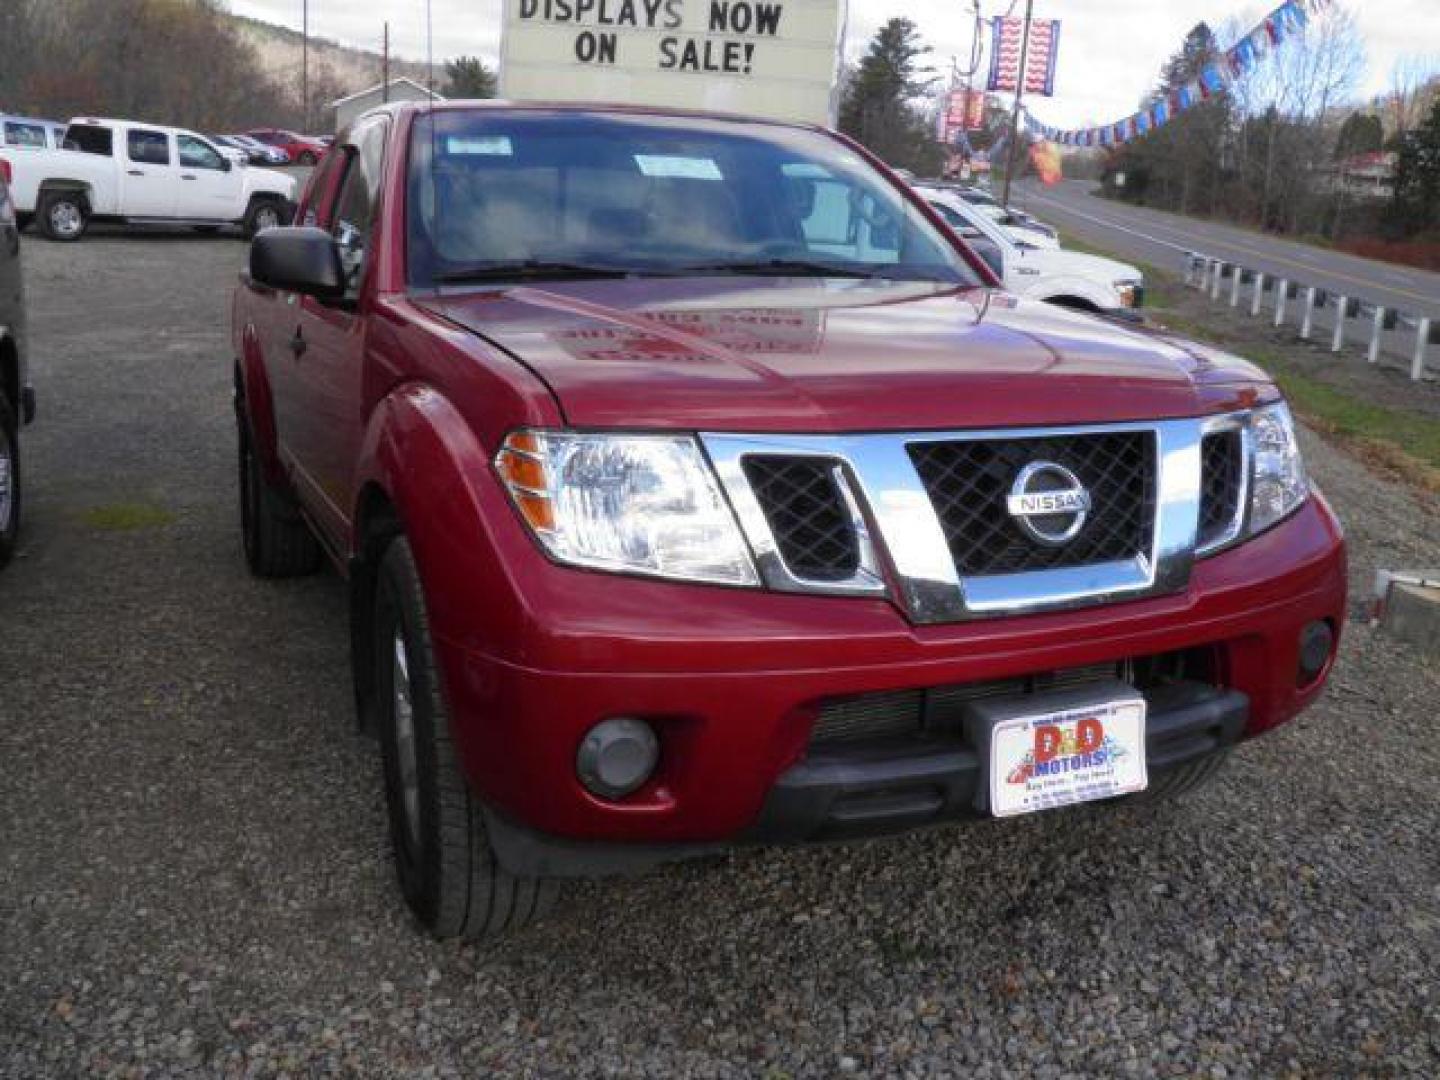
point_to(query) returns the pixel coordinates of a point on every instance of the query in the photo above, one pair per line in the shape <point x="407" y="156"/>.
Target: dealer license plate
<point x="1071" y="756"/>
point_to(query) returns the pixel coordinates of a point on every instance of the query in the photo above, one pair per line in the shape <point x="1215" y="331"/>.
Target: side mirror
<point x="226" y="164"/>
<point x="298" y="259"/>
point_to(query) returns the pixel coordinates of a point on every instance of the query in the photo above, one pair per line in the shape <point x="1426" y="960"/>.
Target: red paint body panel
<point x="422" y="389"/>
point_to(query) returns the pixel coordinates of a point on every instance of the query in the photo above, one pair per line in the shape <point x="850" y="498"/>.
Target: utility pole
<point x="385" y="68"/>
<point x="305" y="64"/>
<point x="1019" y="93"/>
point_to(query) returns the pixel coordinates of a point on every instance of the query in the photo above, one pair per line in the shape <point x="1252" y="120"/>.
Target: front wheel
<point x="64" y="215"/>
<point x="9" y="480"/>
<point x="263" y="214"/>
<point x="24" y="221"/>
<point x="447" y="869"/>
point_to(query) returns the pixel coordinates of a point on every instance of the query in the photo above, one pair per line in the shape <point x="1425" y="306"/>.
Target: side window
<point x="147" y="147"/>
<point x="195" y="154"/>
<point x="90" y="140"/>
<point x="29" y="136"/>
<point x="354" y="216"/>
<point x="836" y="217"/>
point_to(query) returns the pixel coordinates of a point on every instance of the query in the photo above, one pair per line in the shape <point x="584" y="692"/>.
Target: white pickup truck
<point x="137" y="173"/>
<point x="1068" y="278"/>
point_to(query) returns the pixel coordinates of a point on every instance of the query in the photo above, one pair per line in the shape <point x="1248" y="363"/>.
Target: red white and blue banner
<point x="1287" y="21"/>
<point x="1006" y="44"/>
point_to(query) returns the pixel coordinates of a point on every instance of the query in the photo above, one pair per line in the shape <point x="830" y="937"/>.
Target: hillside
<point x="335" y="69"/>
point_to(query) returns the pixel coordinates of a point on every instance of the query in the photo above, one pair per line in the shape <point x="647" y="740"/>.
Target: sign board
<point x="772" y="58"/>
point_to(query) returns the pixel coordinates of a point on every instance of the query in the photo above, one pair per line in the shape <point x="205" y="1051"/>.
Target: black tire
<point x="263" y="214"/>
<point x="278" y="543"/>
<point x="9" y="480"/>
<point x="64" y="216"/>
<point x="24" y="221"/>
<point x="1180" y="781"/>
<point x="446" y="867"/>
<point x="306" y="158"/>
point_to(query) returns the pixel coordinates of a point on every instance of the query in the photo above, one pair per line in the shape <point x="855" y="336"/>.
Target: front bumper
<point x="732" y="680"/>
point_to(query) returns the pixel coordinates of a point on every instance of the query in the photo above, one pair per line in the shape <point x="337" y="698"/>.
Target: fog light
<point x="617" y="756"/>
<point x="1316" y="641"/>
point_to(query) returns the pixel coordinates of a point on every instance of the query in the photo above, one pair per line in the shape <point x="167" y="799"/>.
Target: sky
<point x="1110" y="50"/>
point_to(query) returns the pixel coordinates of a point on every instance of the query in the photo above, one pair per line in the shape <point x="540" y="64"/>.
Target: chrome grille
<point x="807" y="515"/>
<point x="968" y="482"/>
<point x="1222" y="480"/>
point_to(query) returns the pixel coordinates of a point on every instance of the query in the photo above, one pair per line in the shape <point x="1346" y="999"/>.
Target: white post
<point x="1282" y="289"/>
<point x="1422" y="339"/>
<point x="1215" y="280"/>
<point x="1338" y="341"/>
<point x="1259" y="294"/>
<point x="1308" y="318"/>
<point x="1235" y="276"/>
<point x="1377" y="327"/>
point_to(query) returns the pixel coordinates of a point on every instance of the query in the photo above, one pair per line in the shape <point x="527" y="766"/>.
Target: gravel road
<point x="193" y="868"/>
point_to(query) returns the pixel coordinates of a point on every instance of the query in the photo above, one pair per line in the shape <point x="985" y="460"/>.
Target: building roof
<point x="380" y="86"/>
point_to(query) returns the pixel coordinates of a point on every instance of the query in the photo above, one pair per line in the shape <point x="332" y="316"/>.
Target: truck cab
<point x="143" y="174"/>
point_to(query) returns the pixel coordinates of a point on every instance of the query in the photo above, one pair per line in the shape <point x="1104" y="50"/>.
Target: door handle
<point x="187" y="176"/>
<point x="297" y="344"/>
<point x="135" y="172"/>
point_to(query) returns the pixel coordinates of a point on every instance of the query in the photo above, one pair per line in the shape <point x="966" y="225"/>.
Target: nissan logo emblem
<point x="1048" y="502"/>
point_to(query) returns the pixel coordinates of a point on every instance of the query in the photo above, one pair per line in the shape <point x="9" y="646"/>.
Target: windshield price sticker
<point x="479" y="146"/>
<point x="684" y="168"/>
<point x="1055" y="759"/>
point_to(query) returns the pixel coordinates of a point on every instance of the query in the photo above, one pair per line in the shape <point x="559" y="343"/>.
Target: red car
<point x="303" y="150"/>
<point x="695" y="485"/>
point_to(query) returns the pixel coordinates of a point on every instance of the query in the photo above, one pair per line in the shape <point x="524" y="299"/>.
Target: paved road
<point x="194" y="878"/>
<point x="1162" y="239"/>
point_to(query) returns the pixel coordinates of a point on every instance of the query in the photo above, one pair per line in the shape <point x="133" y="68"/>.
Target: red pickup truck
<point x="695" y="485"/>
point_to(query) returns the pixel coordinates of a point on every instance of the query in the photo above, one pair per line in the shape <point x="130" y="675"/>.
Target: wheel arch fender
<point x="422" y="471"/>
<point x="255" y="405"/>
<point x="1073" y="292"/>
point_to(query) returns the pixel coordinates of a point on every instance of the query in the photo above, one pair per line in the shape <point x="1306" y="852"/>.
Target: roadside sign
<point x="773" y="58"/>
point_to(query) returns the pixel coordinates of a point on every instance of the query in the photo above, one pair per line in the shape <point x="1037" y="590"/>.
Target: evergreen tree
<point x="468" y="77"/>
<point x="1361" y="133"/>
<point x="878" y="106"/>
<point x="1417" y="176"/>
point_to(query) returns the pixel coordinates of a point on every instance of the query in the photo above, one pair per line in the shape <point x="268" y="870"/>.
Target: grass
<point x="1395" y="441"/>
<point x="127" y="517"/>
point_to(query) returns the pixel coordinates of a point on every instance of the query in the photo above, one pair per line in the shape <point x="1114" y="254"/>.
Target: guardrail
<point x="1209" y="274"/>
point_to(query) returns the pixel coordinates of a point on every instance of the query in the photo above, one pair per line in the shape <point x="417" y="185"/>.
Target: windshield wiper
<point x="781" y="268"/>
<point x="531" y="270"/>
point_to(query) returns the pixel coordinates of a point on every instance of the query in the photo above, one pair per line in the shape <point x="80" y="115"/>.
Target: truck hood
<point x="1096" y="268"/>
<point x="773" y="354"/>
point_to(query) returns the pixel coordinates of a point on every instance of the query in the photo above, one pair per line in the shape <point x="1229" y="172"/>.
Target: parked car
<point x="695" y="485"/>
<point x="1023" y="228"/>
<point x="122" y="170"/>
<point x="1069" y="278"/>
<point x="17" y="397"/>
<point x="301" y="149"/>
<point x="260" y="154"/>
<point x="28" y="133"/>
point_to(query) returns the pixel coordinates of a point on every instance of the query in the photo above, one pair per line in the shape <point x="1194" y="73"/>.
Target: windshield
<point x="514" y="195"/>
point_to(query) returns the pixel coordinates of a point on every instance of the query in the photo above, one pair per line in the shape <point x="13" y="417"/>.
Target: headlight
<point x="1129" y="290"/>
<point x="1279" y="484"/>
<point x="644" y="504"/>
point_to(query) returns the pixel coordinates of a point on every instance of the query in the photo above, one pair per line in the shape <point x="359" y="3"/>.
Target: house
<point x="400" y="89"/>
<point x="1369" y="175"/>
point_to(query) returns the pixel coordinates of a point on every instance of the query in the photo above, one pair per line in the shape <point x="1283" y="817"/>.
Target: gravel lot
<point x="193" y="864"/>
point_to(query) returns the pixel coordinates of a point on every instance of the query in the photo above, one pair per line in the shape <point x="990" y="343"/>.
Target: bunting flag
<point x="1008" y="41"/>
<point x="1287" y="21"/>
